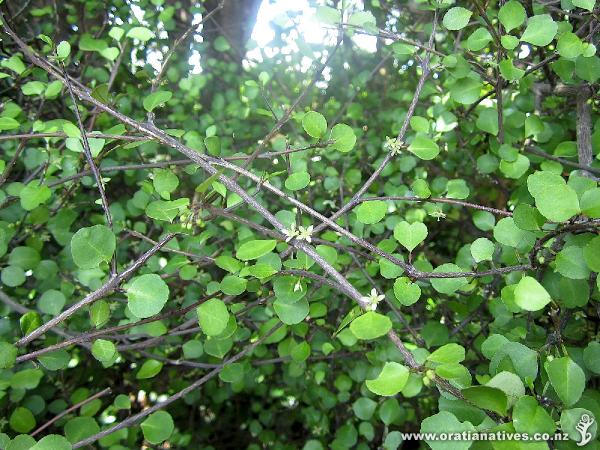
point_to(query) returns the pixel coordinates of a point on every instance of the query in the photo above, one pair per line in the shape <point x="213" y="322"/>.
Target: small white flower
<point x="373" y="299"/>
<point x="291" y="233"/>
<point x="305" y="234"/>
<point x="438" y="214"/>
<point x="298" y="286"/>
<point x="393" y="145"/>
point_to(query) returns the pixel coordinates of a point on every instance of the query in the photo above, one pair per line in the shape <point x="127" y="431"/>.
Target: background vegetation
<point x="384" y="222"/>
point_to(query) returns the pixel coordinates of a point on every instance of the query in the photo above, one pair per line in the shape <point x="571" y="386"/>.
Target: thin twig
<point x="192" y="387"/>
<point x="59" y="416"/>
<point x="99" y="293"/>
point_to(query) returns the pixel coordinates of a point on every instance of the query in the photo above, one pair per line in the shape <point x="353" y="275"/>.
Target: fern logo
<point x="582" y="427"/>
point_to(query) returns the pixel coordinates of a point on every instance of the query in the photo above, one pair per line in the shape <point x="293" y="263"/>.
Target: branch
<point x="399" y="138"/>
<point x="100" y="394"/>
<point x="90" y="160"/>
<point x="182" y="393"/>
<point x="99" y="293"/>
<point x="93" y="334"/>
<point x="542" y="154"/>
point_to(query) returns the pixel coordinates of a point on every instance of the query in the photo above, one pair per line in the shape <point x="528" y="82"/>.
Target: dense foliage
<point x="316" y="247"/>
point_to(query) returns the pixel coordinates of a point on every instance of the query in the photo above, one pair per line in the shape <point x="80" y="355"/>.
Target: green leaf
<point x="8" y="355"/>
<point x="591" y="254"/>
<point x="141" y="33"/>
<point x="364" y="408"/>
<point x="479" y="39"/>
<point x="362" y="19"/>
<point x="92" y="245"/>
<point x="456" y="18"/>
<point x="553" y="197"/>
<point x="371" y="212"/>
<point x="213" y="316"/>
<point x="221" y="44"/>
<point x="228" y="263"/>
<point x="488" y="121"/>
<point x="585" y="4"/>
<point x="486" y="397"/>
<point x="529" y="417"/>
<point x="51" y="302"/>
<point x="166" y="210"/>
<point x="213" y="145"/>
<point x="33" y="195"/>
<point x="232" y="373"/>
<point x="301" y="351"/>
<point x="527" y="217"/>
<point x="482" y="249"/>
<point x="410" y="235"/>
<point x="329" y="15"/>
<point x="511" y="15"/>
<point x="261" y="271"/>
<point x="52" y="442"/>
<point x="567" y="379"/>
<point x="56" y="360"/>
<point x="570" y="262"/>
<point x="449" y="353"/>
<point x="80" y="428"/>
<point x="255" y="249"/>
<point x="314" y="124"/>
<point x="158" y="427"/>
<point x="406" y="292"/>
<point x="297" y="181"/>
<point x="465" y="91"/>
<point x="233" y="285"/>
<point x="457" y="189"/>
<point x="370" y="325"/>
<point x="572" y="421"/>
<point x="509" y="71"/>
<point x="30" y="321"/>
<point x="63" y="50"/>
<point x="343" y="137"/>
<point x="569" y="46"/>
<point x="165" y="182"/>
<point x="156" y="99"/>
<point x="291" y="313"/>
<point x="531" y="295"/>
<point x="591" y="357"/>
<point x="192" y="349"/>
<point x="540" y="30"/>
<point x="510" y="384"/>
<point x="8" y="123"/>
<point x="103" y="350"/>
<point x="590" y="203"/>
<point x="448" y="285"/>
<point x="33" y="88"/>
<point x="588" y="69"/>
<point x="147" y="295"/>
<point x="22" y="420"/>
<point x="149" y="369"/>
<point x="424" y="148"/>
<point x="390" y="381"/>
<point x="447" y="422"/>
<point x="14" y="63"/>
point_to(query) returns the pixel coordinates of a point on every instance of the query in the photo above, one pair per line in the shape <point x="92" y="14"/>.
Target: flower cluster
<point x="301" y="233"/>
<point x="393" y="145"/>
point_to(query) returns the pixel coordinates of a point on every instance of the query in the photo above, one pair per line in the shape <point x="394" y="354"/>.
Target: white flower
<point x="393" y="145"/>
<point x="298" y="286"/>
<point x="291" y="233"/>
<point x="305" y="233"/>
<point x="373" y="299"/>
<point x="439" y="214"/>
